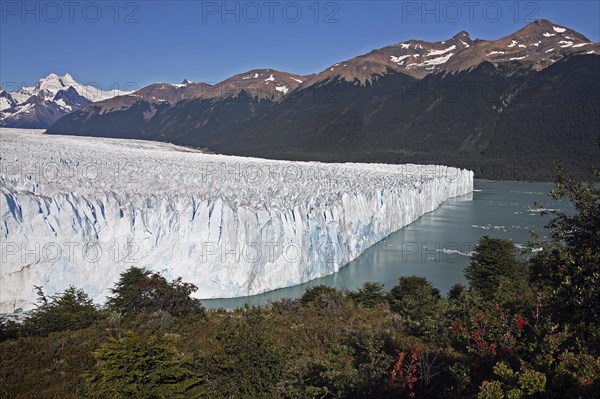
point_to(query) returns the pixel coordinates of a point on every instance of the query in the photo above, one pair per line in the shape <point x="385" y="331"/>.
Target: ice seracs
<point x="79" y="211"/>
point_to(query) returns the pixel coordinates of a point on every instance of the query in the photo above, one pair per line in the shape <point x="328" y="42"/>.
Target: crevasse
<point x="79" y="211"/>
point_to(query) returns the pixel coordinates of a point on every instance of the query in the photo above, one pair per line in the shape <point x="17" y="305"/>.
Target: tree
<point x="320" y="295"/>
<point x="418" y="301"/>
<point x="250" y="360"/>
<point x="494" y="261"/>
<point x="413" y="295"/>
<point x="456" y="291"/>
<point x="568" y="270"/>
<point x="9" y="329"/>
<point x="71" y="310"/>
<point x="145" y="368"/>
<point x="129" y="292"/>
<point x="370" y="295"/>
<point x="139" y="290"/>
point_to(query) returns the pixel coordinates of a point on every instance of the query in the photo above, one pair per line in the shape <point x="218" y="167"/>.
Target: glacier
<point x="81" y="210"/>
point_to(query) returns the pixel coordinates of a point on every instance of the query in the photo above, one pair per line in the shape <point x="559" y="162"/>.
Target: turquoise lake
<point x="437" y="245"/>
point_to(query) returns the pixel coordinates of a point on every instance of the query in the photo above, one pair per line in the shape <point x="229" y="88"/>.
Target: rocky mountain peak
<point x="462" y="35"/>
<point x="261" y="83"/>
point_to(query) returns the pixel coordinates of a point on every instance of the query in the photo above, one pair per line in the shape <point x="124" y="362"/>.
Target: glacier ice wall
<point x="79" y="211"/>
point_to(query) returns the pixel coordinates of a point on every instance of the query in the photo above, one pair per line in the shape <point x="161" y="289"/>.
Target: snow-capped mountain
<point x="6" y="100"/>
<point x="49" y="86"/>
<point x="462" y="101"/>
<point x="257" y="83"/>
<point x="260" y="83"/>
<point x="171" y="93"/>
<point x="538" y="45"/>
<point x="48" y="100"/>
<point x="416" y="58"/>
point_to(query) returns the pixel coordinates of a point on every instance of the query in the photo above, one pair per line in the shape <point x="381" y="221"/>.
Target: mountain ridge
<point x="395" y="104"/>
<point x="51" y="98"/>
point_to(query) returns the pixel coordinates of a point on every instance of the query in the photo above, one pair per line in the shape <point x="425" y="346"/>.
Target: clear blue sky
<point x="153" y="41"/>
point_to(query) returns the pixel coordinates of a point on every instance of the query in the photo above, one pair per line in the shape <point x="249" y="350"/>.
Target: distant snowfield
<point x="80" y="210"/>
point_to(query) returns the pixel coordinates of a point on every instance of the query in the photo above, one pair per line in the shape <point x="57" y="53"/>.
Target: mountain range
<point x="505" y="108"/>
<point x="50" y="99"/>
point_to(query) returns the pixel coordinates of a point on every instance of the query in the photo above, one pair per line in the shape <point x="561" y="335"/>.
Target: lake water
<point x="437" y="245"/>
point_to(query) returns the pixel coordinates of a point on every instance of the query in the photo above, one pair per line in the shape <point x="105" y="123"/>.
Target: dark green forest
<point x="527" y="326"/>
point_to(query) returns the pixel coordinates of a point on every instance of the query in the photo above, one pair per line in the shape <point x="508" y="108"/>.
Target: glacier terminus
<point x="81" y="210"/>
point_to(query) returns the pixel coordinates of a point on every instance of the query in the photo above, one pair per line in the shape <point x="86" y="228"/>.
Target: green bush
<point x="71" y="310"/>
<point x="139" y="290"/>
<point x="142" y="367"/>
<point x="370" y="295"/>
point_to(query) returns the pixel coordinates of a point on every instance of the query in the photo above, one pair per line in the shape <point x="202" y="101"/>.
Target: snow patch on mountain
<point x="443" y="51"/>
<point x="399" y="58"/>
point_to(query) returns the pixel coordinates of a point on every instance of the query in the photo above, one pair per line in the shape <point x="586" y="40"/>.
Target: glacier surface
<point x="79" y="211"/>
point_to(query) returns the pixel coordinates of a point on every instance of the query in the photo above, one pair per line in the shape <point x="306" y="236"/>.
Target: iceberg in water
<point x="79" y="211"/>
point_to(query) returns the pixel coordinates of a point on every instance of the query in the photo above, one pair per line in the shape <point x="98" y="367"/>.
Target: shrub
<point x="139" y="290"/>
<point x="370" y="295"/>
<point x="71" y="310"/>
<point x="143" y="368"/>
